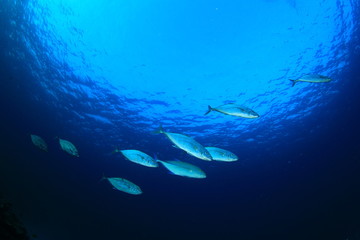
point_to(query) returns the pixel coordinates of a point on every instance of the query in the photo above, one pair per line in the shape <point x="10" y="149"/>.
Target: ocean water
<point x="106" y="74"/>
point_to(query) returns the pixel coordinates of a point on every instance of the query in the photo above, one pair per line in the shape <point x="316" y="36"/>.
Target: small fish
<point x="183" y="169"/>
<point x="39" y="142"/>
<point x="187" y="144"/>
<point x="223" y="155"/>
<point x="68" y="147"/>
<point x="124" y="185"/>
<point x="234" y="110"/>
<point x="138" y="157"/>
<point x="313" y="78"/>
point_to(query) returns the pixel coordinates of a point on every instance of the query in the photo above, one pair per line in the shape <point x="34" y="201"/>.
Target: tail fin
<point x="159" y="130"/>
<point x="157" y="160"/>
<point x="103" y="178"/>
<point x="116" y="150"/>
<point x="293" y="82"/>
<point x="209" y="110"/>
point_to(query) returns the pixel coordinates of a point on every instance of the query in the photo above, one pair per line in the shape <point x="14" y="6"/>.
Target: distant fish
<point x="124" y="185"/>
<point x="223" y="155"/>
<point x="187" y="144"/>
<point x="234" y="110"/>
<point x="138" y="157"/>
<point x="313" y="78"/>
<point x="183" y="169"/>
<point x="39" y="142"/>
<point x="68" y="147"/>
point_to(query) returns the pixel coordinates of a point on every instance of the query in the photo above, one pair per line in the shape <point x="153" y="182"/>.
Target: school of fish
<point x="180" y="141"/>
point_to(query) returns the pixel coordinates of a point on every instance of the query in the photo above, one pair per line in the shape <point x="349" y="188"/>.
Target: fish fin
<point x="156" y="158"/>
<point x="102" y="178"/>
<point x="159" y="130"/>
<point x="209" y="110"/>
<point x="174" y="146"/>
<point x="293" y="82"/>
<point x="160" y="161"/>
<point x="116" y="150"/>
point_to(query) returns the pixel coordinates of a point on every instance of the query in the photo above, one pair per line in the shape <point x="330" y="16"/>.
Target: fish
<point x="219" y="154"/>
<point x="187" y="144"/>
<point x="183" y="169"/>
<point x="313" y="78"/>
<point x="234" y="110"/>
<point x="124" y="185"/>
<point x="39" y="142"/>
<point x="138" y="157"/>
<point x="68" y="147"/>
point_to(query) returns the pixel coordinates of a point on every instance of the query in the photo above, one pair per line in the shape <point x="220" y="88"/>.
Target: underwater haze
<point x="105" y="75"/>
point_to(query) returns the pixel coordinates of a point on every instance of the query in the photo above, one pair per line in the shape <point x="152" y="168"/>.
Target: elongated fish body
<point x="39" y="142"/>
<point x="187" y="144"/>
<point x="124" y="185"/>
<point x="313" y="78"/>
<point x="234" y="110"/>
<point x="68" y="147"/>
<point x="139" y="157"/>
<point x="223" y="155"/>
<point x="183" y="169"/>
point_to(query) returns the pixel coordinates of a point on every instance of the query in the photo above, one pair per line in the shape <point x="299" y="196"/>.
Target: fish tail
<point x="293" y="82"/>
<point x="209" y="110"/>
<point x="156" y="159"/>
<point x="116" y="150"/>
<point x="102" y="178"/>
<point x="159" y="130"/>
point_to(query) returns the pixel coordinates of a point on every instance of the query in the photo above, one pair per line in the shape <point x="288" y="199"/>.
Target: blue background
<point x="107" y="74"/>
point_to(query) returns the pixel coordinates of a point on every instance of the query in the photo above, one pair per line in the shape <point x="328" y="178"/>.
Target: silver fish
<point x="183" y="169"/>
<point x="139" y="157"/>
<point x="234" y="110"/>
<point x="187" y="144"/>
<point x="39" y="142"/>
<point x="124" y="185"/>
<point x="223" y="155"/>
<point x="313" y="78"/>
<point x="68" y="147"/>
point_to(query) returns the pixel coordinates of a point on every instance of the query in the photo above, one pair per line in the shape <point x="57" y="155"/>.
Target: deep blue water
<point x="107" y="74"/>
